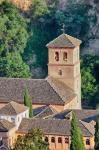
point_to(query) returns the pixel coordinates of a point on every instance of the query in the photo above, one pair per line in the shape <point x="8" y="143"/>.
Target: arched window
<point x="65" y="56"/>
<point x="46" y="139"/>
<point x="87" y="142"/>
<point x="53" y="140"/>
<point x="57" y="56"/>
<point x="67" y="140"/>
<point x="60" y="72"/>
<point x="59" y="140"/>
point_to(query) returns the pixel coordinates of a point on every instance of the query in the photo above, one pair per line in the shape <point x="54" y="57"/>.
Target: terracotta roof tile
<point x="12" y="108"/>
<point x="5" y="125"/>
<point x="50" y="126"/>
<point x="64" y="41"/>
<point x="42" y="91"/>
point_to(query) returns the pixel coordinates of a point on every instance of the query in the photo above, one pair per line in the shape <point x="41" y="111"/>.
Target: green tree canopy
<point x="13" y="29"/>
<point x="31" y="141"/>
<point x="76" y="135"/>
<point x="13" y="66"/>
<point x="39" y="8"/>
<point x="97" y="134"/>
<point x="90" y="80"/>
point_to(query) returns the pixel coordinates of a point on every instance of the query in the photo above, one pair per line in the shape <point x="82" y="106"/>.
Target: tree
<point x="76" y="135"/>
<point x="13" y="66"/>
<point x="97" y="134"/>
<point x="76" y="18"/>
<point x="38" y="8"/>
<point x="28" y="102"/>
<point x="31" y="141"/>
<point x="90" y="80"/>
<point x="13" y="29"/>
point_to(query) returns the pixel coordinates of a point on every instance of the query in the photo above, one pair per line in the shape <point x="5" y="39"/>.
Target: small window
<point x="65" y="56"/>
<point x="67" y="140"/>
<point x="59" y="140"/>
<point x="60" y="72"/>
<point x="87" y="142"/>
<point x="46" y="139"/>
<point x="53" y="140"/>
<point x="56" y="56"/>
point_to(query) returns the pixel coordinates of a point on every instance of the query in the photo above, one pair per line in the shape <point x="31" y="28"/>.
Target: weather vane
<point x="63" y="28"/>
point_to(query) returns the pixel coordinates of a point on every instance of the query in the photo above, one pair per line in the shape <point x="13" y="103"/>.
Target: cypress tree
<point x="76" y="136"/>
<point x="97" y="134"/>
<point x="31" y="110"/>
<point x="28" y="102"/>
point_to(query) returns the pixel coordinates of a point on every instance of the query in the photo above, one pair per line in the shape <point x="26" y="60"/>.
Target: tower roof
<point x="64" y="41"/>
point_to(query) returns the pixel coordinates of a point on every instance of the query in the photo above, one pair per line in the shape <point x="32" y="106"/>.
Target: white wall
<point x="17" y="118"/>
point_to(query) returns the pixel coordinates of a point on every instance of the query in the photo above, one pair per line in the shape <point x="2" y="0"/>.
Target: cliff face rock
<point x="22" y="4"/>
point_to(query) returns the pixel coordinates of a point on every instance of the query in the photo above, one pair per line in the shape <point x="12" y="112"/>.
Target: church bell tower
<point x="64" y="62"/>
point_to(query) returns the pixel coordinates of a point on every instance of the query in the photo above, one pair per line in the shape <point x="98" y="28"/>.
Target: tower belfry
<point x="64" y="62"/>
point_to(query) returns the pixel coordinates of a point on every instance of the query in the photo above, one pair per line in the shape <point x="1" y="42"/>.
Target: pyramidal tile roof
<point x="63" y="41"/>
<point x="12" y="108"/>
<point x="5" y="125"/>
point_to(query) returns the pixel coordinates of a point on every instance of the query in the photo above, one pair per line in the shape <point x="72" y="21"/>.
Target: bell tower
<point x="64" y="62"/>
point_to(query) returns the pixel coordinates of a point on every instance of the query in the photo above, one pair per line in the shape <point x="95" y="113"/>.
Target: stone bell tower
<point x="64" y="62"/>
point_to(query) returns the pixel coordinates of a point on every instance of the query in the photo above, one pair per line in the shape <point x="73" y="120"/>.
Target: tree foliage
<point x="90" y="80"/>
<point x="31" y="141"/>
<point x="76" y="135"/>
<point x="13" y="29"/>
<point x="97" y="134"/>
<point x="13" y="66"/>
<point x="28" y="102"/>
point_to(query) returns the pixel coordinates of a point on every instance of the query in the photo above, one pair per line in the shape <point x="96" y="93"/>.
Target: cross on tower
<point x="63" y="28"/>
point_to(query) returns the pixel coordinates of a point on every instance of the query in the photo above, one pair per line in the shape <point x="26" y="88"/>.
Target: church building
<point x="61" y="89"/>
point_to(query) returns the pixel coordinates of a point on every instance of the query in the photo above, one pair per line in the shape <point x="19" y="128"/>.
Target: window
<point x="59" y="140"/>
<point x="13" y="119"/>
<point x="46" y="139"/>
<point x="56" y="56"/>
<point x="65" y="56"/>
<point x="87" y="142"/>
<point x="53" y="140"/>
<point x="60" y="72"/>
<point x="67" y="140"/>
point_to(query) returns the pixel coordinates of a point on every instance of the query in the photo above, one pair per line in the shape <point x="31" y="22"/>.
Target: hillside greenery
<point x="24" y="35"/>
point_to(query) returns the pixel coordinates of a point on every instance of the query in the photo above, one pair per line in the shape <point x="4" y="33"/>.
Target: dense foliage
<point x="97" y="134"/>
<point x="31" y="141"/>
<point x="76" y="136"/>
<point x="90" y="79"/>
<point x="28" y="102"/>
<point x="13" y="66"/>
<point x="13" y="29"/>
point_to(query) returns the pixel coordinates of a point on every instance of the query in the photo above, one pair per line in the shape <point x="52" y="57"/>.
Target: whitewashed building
<point x="14" y="112"/>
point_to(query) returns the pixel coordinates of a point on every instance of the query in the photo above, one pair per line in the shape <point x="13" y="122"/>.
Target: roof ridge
<point x="55" y="91"/>
<point x="66" y="35"/>
<point x="42" y="111"/>
<point x="13" y="106"/>
<point x="85" y="126"/>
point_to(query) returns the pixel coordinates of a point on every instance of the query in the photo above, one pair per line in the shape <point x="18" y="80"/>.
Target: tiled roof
<point x="42" y="91"/>
<point x="83" y="114"/>
<point x="12" y="108"/>
<point x="51" y="126"/>
<point x="43" y="112"/>
<point x="5" y="125"/>
<point x="64" y="41"/>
